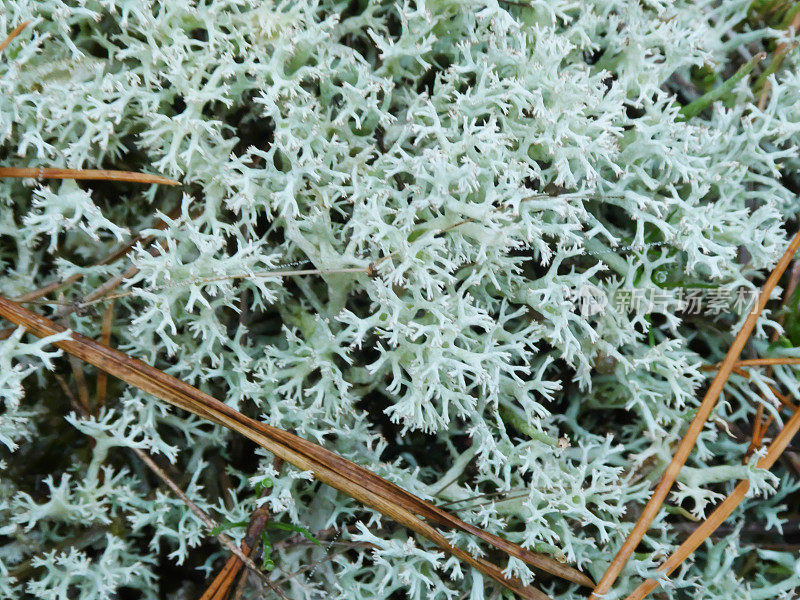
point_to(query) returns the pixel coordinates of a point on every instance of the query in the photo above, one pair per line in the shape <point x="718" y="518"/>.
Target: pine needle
<point x="758" y="362"/>
<point x="17" y="30"/>
<point x="91" y="174"/>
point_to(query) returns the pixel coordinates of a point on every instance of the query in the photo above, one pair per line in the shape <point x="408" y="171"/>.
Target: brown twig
<point x="80" y="381"/>
<point x="237" y="594"/>
<point x="77" y="372"/>
<point x="206" y="519"/>
<point x="758" y="433"/>
<point x="695" y="427"/>
<point x="62" y="383"/>
<point x="84" y="174"/>
<point x="359" y="483"/>
<point x="222" y="583"/>
<point x="705" y="529"/>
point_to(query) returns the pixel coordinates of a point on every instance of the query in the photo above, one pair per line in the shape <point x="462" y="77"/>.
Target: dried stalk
<point x="759" y="429"/>
<point x="237" y="594"/>
<point x="207" y="520"/>
<point x="222" y="583"/>
<point x="758" y="362"/>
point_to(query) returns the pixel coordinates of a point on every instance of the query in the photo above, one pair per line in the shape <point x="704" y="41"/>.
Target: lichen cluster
<point x="451" y="171"/>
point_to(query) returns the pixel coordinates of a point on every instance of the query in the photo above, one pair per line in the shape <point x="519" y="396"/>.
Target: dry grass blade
<point x="94" y="174"/>
<point x="741" y="372"/>
<point x="357" y="482"/>
<point x="715" y="519"/>
<point x="17" y="30"/>
<point x="695" y="427"/>
<point x="758" y="432"/>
